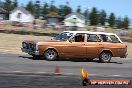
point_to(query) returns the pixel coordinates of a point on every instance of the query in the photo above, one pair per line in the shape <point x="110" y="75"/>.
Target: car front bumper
<point x="125" y="56"/>
<point x="31" y="52"/>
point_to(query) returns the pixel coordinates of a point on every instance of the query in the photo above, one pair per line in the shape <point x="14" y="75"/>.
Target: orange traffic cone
<point x="57" y="70"/>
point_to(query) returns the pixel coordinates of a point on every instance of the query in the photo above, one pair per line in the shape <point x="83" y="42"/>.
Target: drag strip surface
<point x="10" y="63"/>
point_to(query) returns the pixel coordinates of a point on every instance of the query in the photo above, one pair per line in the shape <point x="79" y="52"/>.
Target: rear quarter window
<point x="110" y="38"/>
<point x="114" y="39"/>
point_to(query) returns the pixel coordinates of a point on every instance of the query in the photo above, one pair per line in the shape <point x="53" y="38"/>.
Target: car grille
<point x="29" y="46"/>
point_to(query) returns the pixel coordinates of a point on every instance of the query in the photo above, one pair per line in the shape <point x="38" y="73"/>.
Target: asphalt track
<point x="48" y="81"/>
<point x="20" y="71"/>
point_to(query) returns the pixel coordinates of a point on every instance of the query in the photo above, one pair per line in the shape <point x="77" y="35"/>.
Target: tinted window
<point x="93" y="38"/>
<point x="114" y="39"/>
<point x="109" y="38"/>
<point x="79" y="38"/>
<point x="105" y="38"/>
<point x="63" y="36"/>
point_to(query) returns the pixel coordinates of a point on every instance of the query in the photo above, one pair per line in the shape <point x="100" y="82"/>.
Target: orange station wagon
<point x="78" y="44"/>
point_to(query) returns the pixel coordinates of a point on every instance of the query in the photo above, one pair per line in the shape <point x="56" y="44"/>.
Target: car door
<point x="75" y="48"/>
<point x="118" y="49"/>
<point x="93" y="46"/>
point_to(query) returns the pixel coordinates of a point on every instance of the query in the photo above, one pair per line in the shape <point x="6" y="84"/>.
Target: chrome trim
<point x="125" y="56"/>
<point x="30" y="51"/>
<point x="36" y="47"/>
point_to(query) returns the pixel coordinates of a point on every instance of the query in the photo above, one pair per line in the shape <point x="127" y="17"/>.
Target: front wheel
<point x="105" y="57"/>
<point x="50" y="54"/>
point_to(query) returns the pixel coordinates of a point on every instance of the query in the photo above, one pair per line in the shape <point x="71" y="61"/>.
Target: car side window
<point x="114" y="39"/>
<point x="105" y="38"/>
<point x="79" y="38"/>
<point x="93" y="38"/>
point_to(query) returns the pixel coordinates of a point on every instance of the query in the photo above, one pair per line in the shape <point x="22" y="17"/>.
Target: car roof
<point x="89" y="32"/>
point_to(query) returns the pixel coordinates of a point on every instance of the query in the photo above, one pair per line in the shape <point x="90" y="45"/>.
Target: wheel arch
<point x="107" y="51"/>
<point x="53" y="49"/>
<point x="102" y="60"/>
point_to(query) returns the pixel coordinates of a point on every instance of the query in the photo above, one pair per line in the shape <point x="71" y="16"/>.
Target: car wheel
<point x="105" y="57"/>
<point x="50" y="54"/>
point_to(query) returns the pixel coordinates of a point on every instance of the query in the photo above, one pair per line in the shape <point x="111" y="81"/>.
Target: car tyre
<point x="105" y="57"/>
<point x="50" y="54"/>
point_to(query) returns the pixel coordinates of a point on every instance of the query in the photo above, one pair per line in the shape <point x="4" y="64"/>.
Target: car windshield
<point x="63" y="36"/>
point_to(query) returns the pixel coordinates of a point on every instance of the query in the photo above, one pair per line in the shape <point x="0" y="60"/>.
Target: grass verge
<point x="11" y="43"/>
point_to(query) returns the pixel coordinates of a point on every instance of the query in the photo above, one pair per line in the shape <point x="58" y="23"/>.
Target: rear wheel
<point x="105" y="57"/>
<point x="50" y="54"/>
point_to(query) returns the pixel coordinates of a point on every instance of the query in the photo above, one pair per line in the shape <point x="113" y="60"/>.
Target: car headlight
<point x="35" y="47"/>
<point x="32" y="46"/>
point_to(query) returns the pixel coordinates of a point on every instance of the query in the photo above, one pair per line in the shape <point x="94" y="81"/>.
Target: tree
<point x="126" y="23"/>
<point x="37" y="9"/>
<point x="67" y="10"/>
<point x="86" y="14"/>
<point x="30" y="7"/>
<point x="122" y="23"/>
<point x="78" y="10"/>
<point x="111" y="20"/>
<point x="8" y="5"/>
<point x="45" y="8"/>
<point x="64" y="10"/>
<point x="61" y="10"/>
<point x="94" y="18"/>
<point x="15" y="3"/>
<point x="102" y="17"/>
<point x="118" y="22"/>
<point x="53" y="8"/>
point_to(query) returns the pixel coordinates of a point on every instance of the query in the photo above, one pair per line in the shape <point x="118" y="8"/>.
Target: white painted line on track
<point x="17" y="71"/>
<point x="41" y="72"/>
<point x="116" y="75"/>
<point x="92" y="74"/>
<point x="68" y="73"/>
<point x="119" y="75"/>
